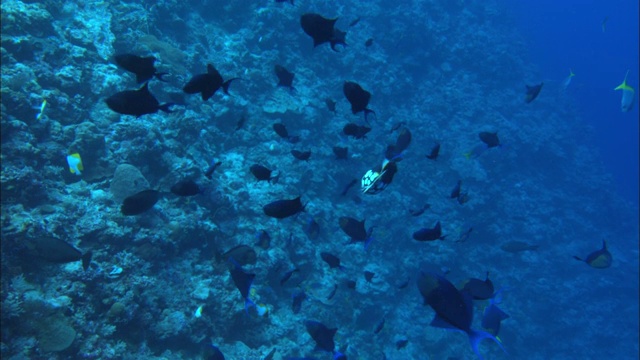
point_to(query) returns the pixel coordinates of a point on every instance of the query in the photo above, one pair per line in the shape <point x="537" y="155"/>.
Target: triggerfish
<point x="628" y="95"/>
<point x="139" y="202"/>
<point x="493" y="315"/>
<point x="532" y="92"/>
<point x="207" y="84"/>
<point x="356" y="230"/>
<point x="600" y="259"/>
<point x="75" y="164"/>
<point x="281" y="209"/>
<point x="322" y="30"/>
<point x="453" y="308"/>
<point x="479" y="289"/>
<point x="243" y="281"/>
<point x="323" y="337"/>
<point x="358" y="98"/>
<point x="136" y="102"/>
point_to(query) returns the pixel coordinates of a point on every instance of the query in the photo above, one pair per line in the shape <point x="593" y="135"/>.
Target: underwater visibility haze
<point x="288" y="179"/>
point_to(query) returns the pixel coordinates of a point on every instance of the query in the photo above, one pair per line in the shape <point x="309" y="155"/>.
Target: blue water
<point x="564" y="35"/>
<point x="530" y="213"/>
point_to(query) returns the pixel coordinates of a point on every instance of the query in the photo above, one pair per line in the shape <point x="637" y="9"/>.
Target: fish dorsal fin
<point x="210" y="69"/>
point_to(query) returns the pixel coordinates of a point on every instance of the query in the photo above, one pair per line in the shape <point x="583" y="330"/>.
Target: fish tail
<point x="167" y="107"/>
<point x="225" y="85"/>
<point x="476" y="336"/>
<point x="159" y="76"/>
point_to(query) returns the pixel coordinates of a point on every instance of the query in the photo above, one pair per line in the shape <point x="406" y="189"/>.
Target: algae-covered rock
<point x="127" y="180"/>
<point x="55" y="333"/>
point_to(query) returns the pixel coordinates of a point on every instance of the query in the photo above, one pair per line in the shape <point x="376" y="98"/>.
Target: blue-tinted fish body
<point x="243" y="282"/>
<point x="600" y="259"/>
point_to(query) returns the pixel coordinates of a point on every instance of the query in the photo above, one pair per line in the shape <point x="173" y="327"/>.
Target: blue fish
<point x="243" y="281"/>
<point x="312" y="229"/>
<point x="453" y="308"/>
<point x="599" y="259"/>
<point x="493" y="315"/>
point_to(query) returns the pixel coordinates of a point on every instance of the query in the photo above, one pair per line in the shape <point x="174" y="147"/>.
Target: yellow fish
<point x="75" y="164"/>
<point x="628" y="95"/>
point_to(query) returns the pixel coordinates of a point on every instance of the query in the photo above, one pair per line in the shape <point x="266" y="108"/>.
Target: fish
<point x="75" y="164"/>
<point x="331" y="105"/>
<point x="322" y="30"/>
<point x="518" y="246"/>
<point x="379" y="326"/>
<point x="358" y="98"/>
<point x="368" y="42"/>
<point x="142" y="67"/>
<point x="355" y="230"/>
<point x="489" y="138"/>
<point x="264" y="240"/>
<point x="599" y="259"/>
<point x="464" y="236"/>
<point x="57" y="251"/>
<point x="340" y="152"/>
<point x="333" y="292"/>
<point x="603" y="23"/>
<point x="394" y="152"/>
<point x="355" y="131"/>
<point x="493" y="316"/>
<point x="332" y="260"/>
<point x="354" y="21"/>
<point x="628" y="95"/>
<point x="348" y="187"/>
<point x="401" y="344"/>
<point x="215" y="353"/>
<point x="454" y="309"/>
<point x="368" y="275"/>
<point x="479" y="289"/>
<point x="243" y="281"/>
<point x="40" y="113"/>
<point x="241" y="255"/>
<point x="567" y="80"/>
<point x="139" y="202"/>
<point x="272" y="353"/>
<point x="285" y="78"/>
<point x="301" y="155"/>
<point x="532" y="92"/>
<point x="456" y="190"/>
<point x="288" y="275"/>
<point x="322" y="335"/>
<point x="476" y="151"/>
<point x="435" y="150"/>
<point x="298" y="298"/>
<point x="427" y="234"/>
<point x="240" y="123"/>
<point x="136" y="102"/>
<point x="214" y="165"/>
<point x="262" y="173"/>
<point x="312" y="229"/>
<point x="351" y="284"/>
<point x="281" y="130"/>
<point x="186" y="188"/>
<point x="419" y="211"/>
<point x="281" y="209"/>
<point x="207" y="84"/>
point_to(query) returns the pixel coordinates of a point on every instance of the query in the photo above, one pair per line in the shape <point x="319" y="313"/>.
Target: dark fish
<point x="215" y="354"/>
<point x="136" y="102"/>
<point x="57" y="251"/>
<point x="369" y="42"/>
<point x="435" y="150"/>
<point x="207" y="84"/>
<point x="358" y="98"/>
<point x="600" y="259"/>
<point x="240" y="122"/>
<point x="426" y="234"/>
<point x="355" y="21"/>
<point x="285" y="78"/>
<point x="241" y="254"/>
<point x="355" y="230"/>
<point x="379" y="326"/>
<point x="272" y="353"/>
<point x="214" y="165"/>
<point x="351" y="284"/>
<point x="331" y="105"/>
<point x="298" y="298"/>
<point x="288" y="275"/>
<point x="396" y="127"/>
<point x="322" y="335"/>
<point x="243" y="281"/>
<point x="493" y="316"/>
<point x="479" y="289"/>
<point x="281" y="130"/>
<point x="463" y="198"/>
<point x="262" y="173"/>
<point x="142" y="67"/>
<point x="394" y="152"/>
<point x="464" y="236"/>
<point x="332" y="260"/>
<point x="281" y="209"/>
<point x="518" y="246"/>
<point x="456" y="190"/>
<point x="401" y="344"/>
<point x="301" y="155"/>
<point x="532" y="92"/>
<point x="356" y="131"/>
<point x="312" y="229"/>
<point x="489" y="138"/>
<point x="454" y="309"/>
<point x="140" y="202"/>
<point x="333" y="292"/>
<point x="322" y="30"/>
<point x="186" y="188"/>
<point x="340" y="152"/>
<point x="368" y="275"/>
<point x="419" y="211"/>
<point x="348" y="187"/>
<point x="264" y="240"/>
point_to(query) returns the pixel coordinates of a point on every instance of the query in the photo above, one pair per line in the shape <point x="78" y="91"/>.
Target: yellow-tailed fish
<point x="75" y="164"/>
<point x="42" y="107"/>
<point x="628" y="95"/>
<point x="567" y="81"/>
<point x="198" y="312"/>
